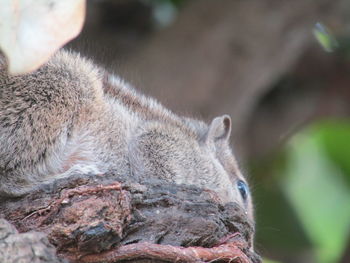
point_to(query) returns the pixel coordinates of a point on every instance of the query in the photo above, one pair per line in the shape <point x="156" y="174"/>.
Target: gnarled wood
<point x="104" y="218"/>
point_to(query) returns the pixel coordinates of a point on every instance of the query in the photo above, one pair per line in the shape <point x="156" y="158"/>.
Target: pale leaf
<point x="32" y="30"/>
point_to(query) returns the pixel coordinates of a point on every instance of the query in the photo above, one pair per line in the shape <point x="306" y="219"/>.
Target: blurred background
<point x="281" y="69"/>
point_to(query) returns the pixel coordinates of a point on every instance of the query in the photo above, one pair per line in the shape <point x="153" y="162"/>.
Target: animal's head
<point x="191" y="153"/>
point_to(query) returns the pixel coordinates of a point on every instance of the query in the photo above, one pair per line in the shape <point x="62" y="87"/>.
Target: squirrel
<point x="71" y="116"/>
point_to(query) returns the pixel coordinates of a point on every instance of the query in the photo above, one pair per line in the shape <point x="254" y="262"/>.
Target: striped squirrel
<point x="71" y="116"/>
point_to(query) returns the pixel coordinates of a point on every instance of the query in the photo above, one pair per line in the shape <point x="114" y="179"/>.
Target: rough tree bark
<point x="98" y="219"/>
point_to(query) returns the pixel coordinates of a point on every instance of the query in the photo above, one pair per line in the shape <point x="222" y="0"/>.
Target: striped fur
<point x="72" y="117"/>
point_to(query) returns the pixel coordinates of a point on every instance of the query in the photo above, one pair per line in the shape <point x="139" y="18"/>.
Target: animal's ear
<point x="219" y="129"/>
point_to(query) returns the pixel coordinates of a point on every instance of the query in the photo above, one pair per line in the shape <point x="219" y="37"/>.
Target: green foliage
<point x="311" y="194"/>
<point x="316" y="187"/>
<point x="325" y="38"/>
<point x="335" y="139"/>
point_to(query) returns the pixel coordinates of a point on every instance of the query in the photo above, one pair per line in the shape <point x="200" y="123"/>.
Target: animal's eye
<point x="243" y="189"/>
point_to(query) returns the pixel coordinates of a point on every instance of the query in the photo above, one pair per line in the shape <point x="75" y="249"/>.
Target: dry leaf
<point x="32" y="30"/>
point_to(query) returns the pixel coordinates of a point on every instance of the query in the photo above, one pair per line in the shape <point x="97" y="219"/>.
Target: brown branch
<point x="110" y="221"/>
<point x="230" y="252"/>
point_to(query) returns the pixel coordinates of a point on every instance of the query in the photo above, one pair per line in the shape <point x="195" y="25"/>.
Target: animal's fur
<point x="71" y="116"/>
